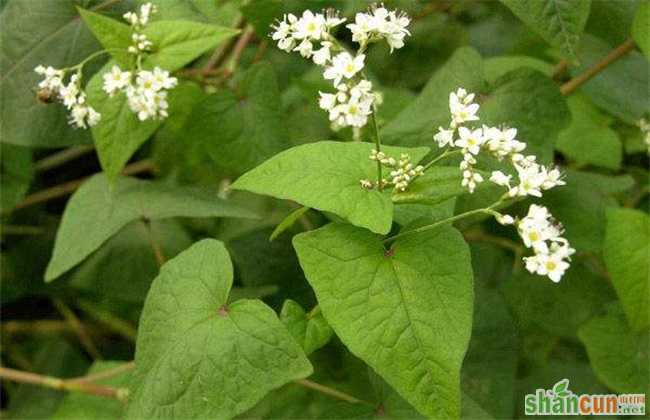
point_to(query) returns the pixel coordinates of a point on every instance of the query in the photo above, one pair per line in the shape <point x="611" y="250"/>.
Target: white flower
<point x="553" y="178"/>
<point x="305" y="48"/>
<point x="333" y="19"/>
<point x="344" y="65"/>
<point x="323" y="55"/>
<point x="116" y="80"/>
<point x="500" y="178"/>
<point x="470" y="140"/>
<point x="309" y="26"/>
<point x="461" y="107"/>
<point x="53" y="78"/>
<point x="70" y="93"/>
<point x="505" y="219"/>
<point x="531" y="180"/>
<point x="83" y="116"/>
<point x="444" y="137"/>
<point x="362" y="26"/>
<point x="502" y="142"/>
<point x="327" y="101"/>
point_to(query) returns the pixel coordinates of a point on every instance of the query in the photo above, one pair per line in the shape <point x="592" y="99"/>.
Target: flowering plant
<point x="303" y="209"/>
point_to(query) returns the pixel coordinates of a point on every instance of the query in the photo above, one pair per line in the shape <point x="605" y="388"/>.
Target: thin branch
<point x="106" y="374"/>
<point x="330" y="391"/>
<point x="570" y="86"/>
<point x="78" y="328"/>
<point x="62" y="384"/>
<point x="221" y="52"/>
<point x="20" y="230"/>
<point x="559" y="69"/>
<point x="238" y="49"/>
<point x="45" y="326"/>
<point x="155" y="246"/>
<point x="112" y="322"/>
<point x="62" y="157"/>
<point x="69" y="187"/>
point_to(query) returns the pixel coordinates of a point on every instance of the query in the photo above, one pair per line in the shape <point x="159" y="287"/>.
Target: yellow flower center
<point x="550" y="265"/>
<point x="533" y="236"/>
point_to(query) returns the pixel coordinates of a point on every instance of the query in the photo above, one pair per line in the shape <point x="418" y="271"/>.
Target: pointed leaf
<point x="627" y="256"/>
<point x="197" y="357"/>
<point x="559" y="22"/>
<point x="112" y="34"/>
<point x="96" y="212"/>
<point x="641" y="28"/>
<point x="325" y="176"/>
<point x="407" y="312"/>
<point x="310" y="330"/>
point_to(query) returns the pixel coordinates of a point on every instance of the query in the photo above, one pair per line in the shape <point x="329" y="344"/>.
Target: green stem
<point x="314" y="311"/>
<point x="380" y="185"/>
<point x="441" y="156"/>
<point x="486" y="210"/>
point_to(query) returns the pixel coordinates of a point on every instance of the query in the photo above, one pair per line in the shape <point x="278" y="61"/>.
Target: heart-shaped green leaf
<point x="406" y="311"/>
<point x="199" y="357"/>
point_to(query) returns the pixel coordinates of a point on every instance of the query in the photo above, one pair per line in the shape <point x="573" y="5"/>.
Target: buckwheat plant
<point x="145" y="89"/>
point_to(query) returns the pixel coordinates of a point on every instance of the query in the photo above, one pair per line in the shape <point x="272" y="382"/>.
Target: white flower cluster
<point x="540" y="232"/>
<point x="403" y="171"/>
<point x="533" y="178"/>
<point x="138" y="22"/>
<point x="71" y="95"/>
<point x="147" y="97"/>
<point x="380" y="23"/>
<point x="644" y="125"/>
<point x="310" y="35"/>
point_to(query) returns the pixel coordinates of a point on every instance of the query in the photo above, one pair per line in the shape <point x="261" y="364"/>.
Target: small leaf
<point x="112" y="34"/>
<point x="96" y="212"/>
<point x="178" y="42"/>
<point x="641" y="28"/>
<point x="559" y="22"/>
<point x="618" y="355"/>
<point x="406" y="311"/>
<point x="288" y="221"/>
<point x="310" y="330"/>
<point x="626" y="251"/>
<point x="325" y="176"/>
<point x="561" y="388"/>
<point x="197" y="357"/>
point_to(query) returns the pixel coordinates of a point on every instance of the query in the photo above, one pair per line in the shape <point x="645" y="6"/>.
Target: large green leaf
<point x="325" y="176"/>
<point x="240" y="132"/>
<point x="417" y="123"/>
<point x="406" y="311"/>
<point x="618" y="355"/>
<point x="438" y="184"/>
<point x="559" y="22"/>
<point x="198" y="357"/>
<point x="98" y="211"/>
<point x="641" y="28"/>
<point x="38" y="32"/>
<point x="76" y="405"/>
<point x="115" y="36"/>
<point x="120" y="133"/>
<point x="309" y="329"/>
<point x="588" y="139"/>
<point x="16" y="173"/>
<point x="627" y="256"/>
